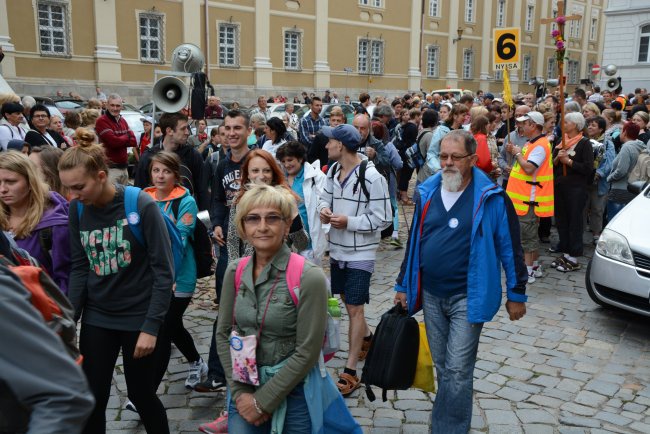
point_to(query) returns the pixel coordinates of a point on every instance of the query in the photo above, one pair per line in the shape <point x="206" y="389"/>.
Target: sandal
<point x="365" y="347"/>
<point x="560" y="260"/>
<point x="568" y="266"/>
<point x="406" y="202"/>
<point x="348" y="384"/>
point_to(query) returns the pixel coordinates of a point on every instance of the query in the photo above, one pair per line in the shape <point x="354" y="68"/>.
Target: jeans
<point x="220" y="271"/>
<point x="614" y="208"/>
<point x="454" y="343"/>
<point x="100" y="348"/>
<point x="215" y="368"/>
<point x="297" y="419"/>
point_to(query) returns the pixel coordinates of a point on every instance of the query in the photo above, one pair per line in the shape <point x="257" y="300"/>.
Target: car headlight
<point x="614" y="246"/>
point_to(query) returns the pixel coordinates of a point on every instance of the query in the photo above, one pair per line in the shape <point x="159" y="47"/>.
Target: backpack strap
<point x="293" y="274"/>
<point x="361" y="179"/>
<point x="176" y="204"/>
<point x="239" y="271"/>
<point x="132" y="214"/>
<point x="45" y="241"/>
<point x="335" y="168"/>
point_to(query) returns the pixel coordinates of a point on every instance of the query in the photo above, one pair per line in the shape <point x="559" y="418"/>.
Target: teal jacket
<point x="185" y="222"/>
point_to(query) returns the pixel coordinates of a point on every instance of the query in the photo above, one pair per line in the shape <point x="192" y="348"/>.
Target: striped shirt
<point x="308" y="129"/>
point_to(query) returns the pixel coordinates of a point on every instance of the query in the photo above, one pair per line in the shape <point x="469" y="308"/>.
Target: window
<point x="229" y="45"/>
<point x="530" y="17"/>
<point x="292" y="49"/>
<point x="644" y="44"/>
<point x="468" y="64"/>
<point x="498" y="75"/>
<point x="433" y="58"/>
<point x="469" y="11"/>
<point x="501" y="13"/>
<point x="371" y="56"/>
<point x="373" y="3"/>
<point x="151" y="38"/>
<point x="593" y="30"/>
<point x="551" y="70"/>
<point x="526" y="68"/>
<point x="590" y="66"/>
<point x="434" y="8"/>
<point x="575" y="27"/>
<point x="53" y="28"/>
<point x="572" y="71"/>
<point x="553" y="24"/>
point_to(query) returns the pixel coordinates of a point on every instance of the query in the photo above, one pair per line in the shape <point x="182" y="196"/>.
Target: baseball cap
<point x="12" y="107"/>
<point x="147" y="119"/>
<point x="16" y="144"/>
<point x="344" y="133"/>
<point x="488" y="96"/>
<point x="536" y="117"/>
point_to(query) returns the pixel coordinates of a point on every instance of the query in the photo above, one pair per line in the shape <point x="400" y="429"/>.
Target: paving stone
<point x="495" y="404"/>
<point x="501" y="417"/>
<point x="524" y="387"/>
<point x="545" y="381"/>
<point x="590" y="399"/>
<point x="485" y="386"/>
<point x="512" y="394"/>
<point x="613" y="418"/>
<point x="412" y="416"/>
<point x="570" y="386"/>
<point x="409" y="404"/>
<point x="386" y="422"/>
<point x="415" y="429"/>
<point x="518" y="373"/>
<point x="578" y="409"/>
<point x="546" y="401"/>
<point x="579" y="421"/>
<point x="602" y="387"/>
<point x="505" y="429"/>
<point x="528" y="416"/>
<point x="538" y="429"/>
<point x="496" y="379"/>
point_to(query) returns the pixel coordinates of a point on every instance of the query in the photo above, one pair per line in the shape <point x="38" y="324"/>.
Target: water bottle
<point x="333" y="340"/>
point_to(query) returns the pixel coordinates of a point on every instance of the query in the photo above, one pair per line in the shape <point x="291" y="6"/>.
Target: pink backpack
<point x="293" y="274"/>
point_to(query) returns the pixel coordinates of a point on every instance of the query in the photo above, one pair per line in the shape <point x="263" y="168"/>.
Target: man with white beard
<point x="464" y="230"/>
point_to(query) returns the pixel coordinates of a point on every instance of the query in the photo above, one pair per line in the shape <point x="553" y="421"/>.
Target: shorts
<point x="352" y="284"/>
<point x="529" y="224"/>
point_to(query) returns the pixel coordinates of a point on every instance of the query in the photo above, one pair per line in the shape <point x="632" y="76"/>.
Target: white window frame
<point x="468" y="64"/>
<point x="526" y="68"/>
<point x="434" y="8"/>
<point x="530" y="18"/>
<point x="371" y="61"/>
<point x="501" y="13"/>
<point x="470" y="11"/>
<point x="593" y="30"/>
<point x="554" y="15"/>
<point x="551" y="68"/>
<point x="379" y="4"/>
<point x="290" y="63"/>
<point x="224" y="56"/>
<point x="573" y="70"/>
<point x="433" y="61"/>
<point x="51" y="32"/>
<point x="147" y="39"/>
<point x="498" y="75"/>
<point x="644" y="36"/>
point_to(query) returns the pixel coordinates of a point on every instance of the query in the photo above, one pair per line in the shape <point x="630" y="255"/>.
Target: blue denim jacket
<point x="605" y="167"/>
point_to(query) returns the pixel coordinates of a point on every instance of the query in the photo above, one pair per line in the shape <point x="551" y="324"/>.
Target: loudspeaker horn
<point x="610" y="70"/>
<point x="612" y="84"/>
<point x="552" y="82"/>
<point x="170" y="94"/>
<point x="187" y="58"/>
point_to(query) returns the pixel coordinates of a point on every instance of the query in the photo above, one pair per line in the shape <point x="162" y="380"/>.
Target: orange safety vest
<point x="520" y="184"/>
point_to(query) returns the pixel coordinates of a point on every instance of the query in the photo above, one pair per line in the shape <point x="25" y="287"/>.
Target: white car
<point x="619" y="273"/>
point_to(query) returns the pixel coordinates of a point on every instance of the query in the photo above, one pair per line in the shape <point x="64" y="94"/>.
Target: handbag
<point x="424" y="374"/>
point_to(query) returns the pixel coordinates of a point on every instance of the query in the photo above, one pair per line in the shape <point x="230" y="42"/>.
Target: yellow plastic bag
<point x="424" y="376"/>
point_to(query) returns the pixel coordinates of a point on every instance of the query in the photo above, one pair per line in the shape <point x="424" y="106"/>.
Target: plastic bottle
<point x="333" y="308"/>
<point x="333" y="341"/>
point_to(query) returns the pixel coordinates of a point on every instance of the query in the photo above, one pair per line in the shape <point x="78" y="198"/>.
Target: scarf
<point x="569" y="144"/>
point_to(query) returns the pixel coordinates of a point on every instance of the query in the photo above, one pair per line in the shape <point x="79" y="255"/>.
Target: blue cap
<point x="488" y="96"/>
<point x="344" y="133"/>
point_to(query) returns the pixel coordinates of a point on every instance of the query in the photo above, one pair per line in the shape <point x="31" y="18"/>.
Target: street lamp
<point x="460" y="35"/>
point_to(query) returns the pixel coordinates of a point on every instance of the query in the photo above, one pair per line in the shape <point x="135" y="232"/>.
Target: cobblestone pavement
<point x="567" y="367"/>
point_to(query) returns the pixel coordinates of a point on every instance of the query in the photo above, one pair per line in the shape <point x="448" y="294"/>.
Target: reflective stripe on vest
<point x="520" y="185"/>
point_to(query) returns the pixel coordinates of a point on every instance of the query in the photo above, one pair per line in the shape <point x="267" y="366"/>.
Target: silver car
<point x="619" y="273"/>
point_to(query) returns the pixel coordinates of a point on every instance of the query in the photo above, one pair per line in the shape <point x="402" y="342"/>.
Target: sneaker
<point x="211" y="385"/>
<point x="197" y="371"/>
<point x="130" y="406"/>
<point x="220" y="425"/>
<point x="396" y="242"/>
<point x="537" y="271"/>
<point x="531" y="277"/>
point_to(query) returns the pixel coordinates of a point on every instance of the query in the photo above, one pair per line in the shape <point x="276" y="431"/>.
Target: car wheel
<point x="590" y="290"/>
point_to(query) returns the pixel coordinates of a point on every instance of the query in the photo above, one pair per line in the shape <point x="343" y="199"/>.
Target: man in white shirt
<point x="12" y="117"/>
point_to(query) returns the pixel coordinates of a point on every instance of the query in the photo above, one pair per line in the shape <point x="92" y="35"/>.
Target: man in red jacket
<point x="114" y="133"/>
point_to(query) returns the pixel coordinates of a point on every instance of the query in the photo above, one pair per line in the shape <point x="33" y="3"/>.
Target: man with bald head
<point x="516" y="138"/>
<point x="370" y="146"/>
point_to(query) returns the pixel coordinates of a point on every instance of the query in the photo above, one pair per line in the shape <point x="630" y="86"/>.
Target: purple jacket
<point x="57" y="261"/>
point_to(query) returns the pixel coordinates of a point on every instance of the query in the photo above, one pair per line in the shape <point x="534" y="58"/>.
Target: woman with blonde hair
<point x="590" y="110"/>
<point x="89" y="117"/>
<point x="36" y="217"/>
<point x="46" y="159"/>
<point x="120" y="284"/>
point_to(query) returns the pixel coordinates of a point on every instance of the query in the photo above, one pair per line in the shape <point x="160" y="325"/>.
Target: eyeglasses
<point x="40" y="116"/>
<point x="256" y="219"/>
<point x="454" y="157"/>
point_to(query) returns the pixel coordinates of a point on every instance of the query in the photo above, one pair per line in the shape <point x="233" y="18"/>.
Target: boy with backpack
<point x="356" y="204"/>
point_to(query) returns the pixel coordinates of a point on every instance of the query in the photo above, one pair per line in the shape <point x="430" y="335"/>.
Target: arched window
<point x="644" y="44"/>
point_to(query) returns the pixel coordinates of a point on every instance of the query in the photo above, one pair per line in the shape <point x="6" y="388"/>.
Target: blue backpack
<point x="131" y="208"/>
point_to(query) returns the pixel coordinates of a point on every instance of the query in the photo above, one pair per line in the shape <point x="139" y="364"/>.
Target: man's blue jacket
<point x="495" y="238"/>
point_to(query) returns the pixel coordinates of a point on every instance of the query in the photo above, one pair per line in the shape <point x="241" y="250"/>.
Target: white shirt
<point x="449" y="198"/>
<point x="9" y="132"/>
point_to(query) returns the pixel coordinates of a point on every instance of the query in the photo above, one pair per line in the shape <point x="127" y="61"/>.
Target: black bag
<point x="202" y="245"/>
<point x="393" y="355"/>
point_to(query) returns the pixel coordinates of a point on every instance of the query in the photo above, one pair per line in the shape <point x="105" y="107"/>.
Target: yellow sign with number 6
<point x="506" y="48"/>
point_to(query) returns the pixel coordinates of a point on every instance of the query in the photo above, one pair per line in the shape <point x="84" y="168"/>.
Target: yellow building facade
<point x="257" y="47"/>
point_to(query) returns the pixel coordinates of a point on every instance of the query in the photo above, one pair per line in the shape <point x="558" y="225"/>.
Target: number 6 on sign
<point x="506" y="48"/>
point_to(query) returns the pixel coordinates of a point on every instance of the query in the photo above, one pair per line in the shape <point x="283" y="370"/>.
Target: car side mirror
<point x="636" y="187"/>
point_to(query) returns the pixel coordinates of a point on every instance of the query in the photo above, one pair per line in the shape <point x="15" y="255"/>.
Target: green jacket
<point x="289" y="332"/>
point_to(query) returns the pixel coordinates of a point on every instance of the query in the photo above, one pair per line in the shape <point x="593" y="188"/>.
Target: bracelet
<point x="517" y="154"/>
<point x="257" y="407"/>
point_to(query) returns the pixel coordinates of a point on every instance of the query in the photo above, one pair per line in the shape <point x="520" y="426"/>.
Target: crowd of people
<point x="282" y="194"/>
